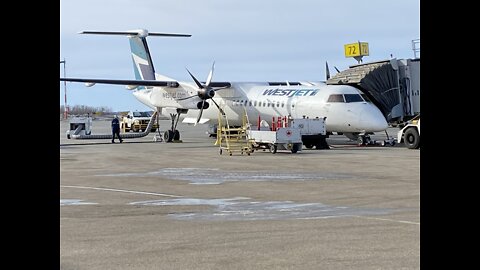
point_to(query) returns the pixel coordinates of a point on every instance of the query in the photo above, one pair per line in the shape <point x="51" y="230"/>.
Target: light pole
<point x="65" y="108"/>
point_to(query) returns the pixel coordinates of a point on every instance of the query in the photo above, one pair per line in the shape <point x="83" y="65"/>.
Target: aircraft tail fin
<point x="142" y="60"/>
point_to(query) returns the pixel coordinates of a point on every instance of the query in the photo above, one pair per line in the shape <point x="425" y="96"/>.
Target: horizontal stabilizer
<point x="140" y="33"/>
<point x="125" y="82"/>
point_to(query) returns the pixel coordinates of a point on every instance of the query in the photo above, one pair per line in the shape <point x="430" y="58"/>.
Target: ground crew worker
<point x="116" y="129"/>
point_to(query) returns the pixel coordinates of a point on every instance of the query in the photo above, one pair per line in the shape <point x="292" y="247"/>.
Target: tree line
<point x="83" y="109"/>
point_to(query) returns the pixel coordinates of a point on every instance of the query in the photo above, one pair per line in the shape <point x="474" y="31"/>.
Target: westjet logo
<point x="290" y="92"/>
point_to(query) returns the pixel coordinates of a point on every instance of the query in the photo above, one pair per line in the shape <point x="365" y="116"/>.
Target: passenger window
<point x="353" y="98"/>
<point x="250" y="103"/>
<point x="255" y="103"/>
<point x="278" y="103"/>
<point x="335" y="98"/>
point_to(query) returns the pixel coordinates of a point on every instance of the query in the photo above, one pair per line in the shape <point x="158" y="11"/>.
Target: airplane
<point x="347" y="110"/>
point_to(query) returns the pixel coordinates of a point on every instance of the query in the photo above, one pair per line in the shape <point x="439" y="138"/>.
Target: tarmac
<point x="154" y="205"/>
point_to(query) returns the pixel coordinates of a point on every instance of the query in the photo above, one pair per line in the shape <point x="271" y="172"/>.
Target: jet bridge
<point x="392" y="85"/>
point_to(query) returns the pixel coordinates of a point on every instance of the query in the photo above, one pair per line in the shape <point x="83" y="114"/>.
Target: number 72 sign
<point x="356" y="49"/>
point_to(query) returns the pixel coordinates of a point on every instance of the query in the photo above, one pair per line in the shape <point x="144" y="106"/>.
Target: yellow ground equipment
<point x="233" y="139"/>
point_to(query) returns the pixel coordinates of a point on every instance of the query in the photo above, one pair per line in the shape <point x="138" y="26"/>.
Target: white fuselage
<point x="350" y="114"/>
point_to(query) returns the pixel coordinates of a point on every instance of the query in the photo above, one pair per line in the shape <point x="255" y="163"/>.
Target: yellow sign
<point x="356" y="49"/>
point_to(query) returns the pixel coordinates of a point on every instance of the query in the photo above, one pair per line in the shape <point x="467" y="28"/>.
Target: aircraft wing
<point x="123" y="82"/>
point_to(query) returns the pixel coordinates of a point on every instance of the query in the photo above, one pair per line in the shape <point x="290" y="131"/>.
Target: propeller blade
<point x="195" y="79"/>
<point x="210" y="74"/>
<point x="336" y="69"/>
<point x="221" y="111"/>
<point x="327" y="70"/>
<point x="200" y="113"/>
<point x="187" y="97"/>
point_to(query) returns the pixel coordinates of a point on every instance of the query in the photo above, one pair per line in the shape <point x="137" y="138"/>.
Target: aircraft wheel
<point x="309" y="146"/>
<point x="168" y="136"/>
<point x="176" y="135"/>
<point x="361" y="140"/>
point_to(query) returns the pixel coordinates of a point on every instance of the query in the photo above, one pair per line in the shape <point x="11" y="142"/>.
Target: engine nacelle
<point x="89" y="84"/>
<point x="206" y="93"/>
<point x="205" y="105"/>
<point x="131" y="87"/>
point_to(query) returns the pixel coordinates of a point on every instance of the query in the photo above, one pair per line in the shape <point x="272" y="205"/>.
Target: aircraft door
<point x="292" y="107"/>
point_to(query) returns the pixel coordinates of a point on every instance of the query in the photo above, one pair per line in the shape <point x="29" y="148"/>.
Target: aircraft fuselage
<point x="346" y="112"/>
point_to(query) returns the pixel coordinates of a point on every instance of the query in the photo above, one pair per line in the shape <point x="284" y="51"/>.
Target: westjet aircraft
<point x="347" y="109"/>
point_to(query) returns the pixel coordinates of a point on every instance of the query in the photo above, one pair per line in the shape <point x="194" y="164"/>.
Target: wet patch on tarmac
<point x="75" y="202"/>
<point x="239" y="208"/>
<point x="202" y="176"/>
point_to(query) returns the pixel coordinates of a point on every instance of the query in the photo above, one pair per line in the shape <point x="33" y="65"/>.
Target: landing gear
<point x="173" y="134"/>
<point x="364" y="140"/>
<point x="168" y="136"/>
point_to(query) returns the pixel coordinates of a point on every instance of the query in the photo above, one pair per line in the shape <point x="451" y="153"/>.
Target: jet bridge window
<point x="353" y="98"/>
<point x="335" y="98"/>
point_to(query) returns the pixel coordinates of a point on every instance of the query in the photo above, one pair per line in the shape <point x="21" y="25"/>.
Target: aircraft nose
<point x="371" y="119"/>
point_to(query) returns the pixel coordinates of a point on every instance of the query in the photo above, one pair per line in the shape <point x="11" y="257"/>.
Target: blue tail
<point x="142" y="60"/>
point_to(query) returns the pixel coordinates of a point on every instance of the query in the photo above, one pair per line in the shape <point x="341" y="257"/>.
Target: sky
<point x="249" y="40"/>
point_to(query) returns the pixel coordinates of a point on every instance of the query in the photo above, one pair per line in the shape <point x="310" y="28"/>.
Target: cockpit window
<point x="335" y="98"/>
<point x="353" y="98"/>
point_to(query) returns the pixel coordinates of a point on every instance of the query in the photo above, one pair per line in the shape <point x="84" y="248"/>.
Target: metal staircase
<point x="233" y="139"/>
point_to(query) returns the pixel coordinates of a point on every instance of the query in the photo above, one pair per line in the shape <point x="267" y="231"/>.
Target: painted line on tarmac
<point x="394" y="220"/>
<point x="125" y="191"/>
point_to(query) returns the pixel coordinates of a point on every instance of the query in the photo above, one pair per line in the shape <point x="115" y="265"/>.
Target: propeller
<point x="205" y="92"/>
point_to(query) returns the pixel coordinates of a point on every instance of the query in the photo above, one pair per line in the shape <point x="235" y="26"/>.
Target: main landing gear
<point x="173" y="134"/>
<point x="364" y="140"/>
